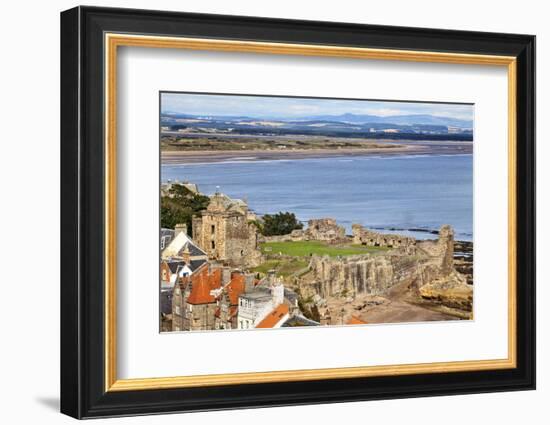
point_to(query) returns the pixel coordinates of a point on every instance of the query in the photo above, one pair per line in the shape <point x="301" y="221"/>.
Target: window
<point x="213" y="245"/>
<point x="178" y="310"/>
<point x="212" y="229"/>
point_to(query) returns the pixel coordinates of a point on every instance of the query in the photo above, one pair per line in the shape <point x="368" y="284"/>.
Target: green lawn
<point x="282" y="267"/>
<point x="305" y="249"/>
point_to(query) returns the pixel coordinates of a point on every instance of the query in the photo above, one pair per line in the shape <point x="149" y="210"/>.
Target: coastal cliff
<point x="425" y="270"/>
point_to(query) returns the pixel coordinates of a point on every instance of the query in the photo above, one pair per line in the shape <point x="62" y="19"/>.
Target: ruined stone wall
<point x="325" y="229"/>
<point x="241" y="242"/>
<point x="377" y="274"/>
<point x="319" y="229"/>
<point x="362" y="236"/>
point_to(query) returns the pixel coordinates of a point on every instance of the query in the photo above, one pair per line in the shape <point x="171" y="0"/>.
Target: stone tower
<point x="223" y="231"/>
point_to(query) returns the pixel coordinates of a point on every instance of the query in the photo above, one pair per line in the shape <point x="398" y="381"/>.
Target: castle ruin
<point x="226" y="233"/>
<point x="426" y="267"/>
<point x="363" y="236"/>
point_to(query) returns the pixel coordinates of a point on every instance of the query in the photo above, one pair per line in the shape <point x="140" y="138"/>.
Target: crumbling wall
<point x="363" y="236"/>
<point x="432" y="261"/>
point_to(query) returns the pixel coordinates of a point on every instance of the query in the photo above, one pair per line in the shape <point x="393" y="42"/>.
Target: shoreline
<point x="190" y="157"/>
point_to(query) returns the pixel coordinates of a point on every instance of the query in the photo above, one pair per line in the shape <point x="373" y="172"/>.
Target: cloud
<point x="292" y="107"/>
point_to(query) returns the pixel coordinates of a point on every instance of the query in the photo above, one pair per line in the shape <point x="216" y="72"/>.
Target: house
<point x="166" y="236"/>
<point x="258" y="302"/>
<point x="172" y="270"/>
<point x="194" y="301"/>
<point x="183" y="247"/>
<point x="228" y="301"/>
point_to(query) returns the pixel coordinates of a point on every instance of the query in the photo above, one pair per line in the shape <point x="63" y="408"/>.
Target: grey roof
<point x="257" y="294"/>
<point x="299" y="321"/>
<point x="174" y="265"/>
<point x="167" y="232"/>
<point x="166" y="302"/>
<point x="194" y="250"/>
<point x="195" y="264"/>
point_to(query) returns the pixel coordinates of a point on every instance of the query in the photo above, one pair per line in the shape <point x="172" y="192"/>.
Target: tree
<point x="180" y="205"/>
<point x="281" y="223"/>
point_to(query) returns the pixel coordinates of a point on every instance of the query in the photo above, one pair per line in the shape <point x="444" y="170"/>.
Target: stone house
<point x="194" y="303"/>
<point x="224" y="231"/>
<point x="228" y="300"/>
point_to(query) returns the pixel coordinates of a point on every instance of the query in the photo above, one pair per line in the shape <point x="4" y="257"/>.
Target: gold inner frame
<point x="113" y="41"/>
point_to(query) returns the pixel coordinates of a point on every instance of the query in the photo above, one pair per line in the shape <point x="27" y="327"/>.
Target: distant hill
<point x="422" y="119"/>
<point x="416" y="127"/>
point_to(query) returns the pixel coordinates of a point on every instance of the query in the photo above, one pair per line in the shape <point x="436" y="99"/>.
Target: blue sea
<point x="380" y="192"/>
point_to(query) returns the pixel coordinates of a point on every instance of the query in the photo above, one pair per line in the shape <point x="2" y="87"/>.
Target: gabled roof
<point x="174" y="265"/>
<point x="295" y="321"/>
<point x="178" y="245"/>
<point x="202" y="283"/>
<point x="167" y="232"/>
<point x="194" y="265"/>
<point x="272" y="319"/>
<point x="235" y="287"/>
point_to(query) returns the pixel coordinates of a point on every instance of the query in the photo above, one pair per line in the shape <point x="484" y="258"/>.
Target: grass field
<point x="305" y="249"/>
<point x="282" y="267"/>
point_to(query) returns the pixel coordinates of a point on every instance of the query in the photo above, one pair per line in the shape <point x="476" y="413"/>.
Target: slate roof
<point x="299" y="321"/>
<point x="194" y="250"/>
<point x="167" y="232"/>
<point x="194" y="265"/>
<point x="178" y="245"/>
<point x="174" y="265"/>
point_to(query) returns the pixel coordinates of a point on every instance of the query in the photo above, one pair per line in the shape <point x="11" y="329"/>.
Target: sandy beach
<point x="412" y="148"/>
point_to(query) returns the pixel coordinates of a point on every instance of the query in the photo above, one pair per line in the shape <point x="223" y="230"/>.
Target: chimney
<point x="226" y="275"/>
<point x="186" y="254"/>
<point x="181" y="227"/>
<point x="249" y="282"/>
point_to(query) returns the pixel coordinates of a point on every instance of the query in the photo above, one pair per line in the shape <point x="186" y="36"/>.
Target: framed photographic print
<point x="261" y="212"/>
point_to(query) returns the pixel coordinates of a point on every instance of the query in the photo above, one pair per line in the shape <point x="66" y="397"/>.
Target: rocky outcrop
<point x="451" y="291"/>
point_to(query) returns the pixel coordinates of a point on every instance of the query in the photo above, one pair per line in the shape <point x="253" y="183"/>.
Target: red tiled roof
<point x="235" y="288"/>
<point x="274" y="317"/>
<point x="203" y="283"/>
<point x="355" y="321"/>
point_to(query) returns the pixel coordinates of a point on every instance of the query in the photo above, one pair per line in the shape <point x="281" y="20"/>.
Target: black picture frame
<point x="83" y="392"/>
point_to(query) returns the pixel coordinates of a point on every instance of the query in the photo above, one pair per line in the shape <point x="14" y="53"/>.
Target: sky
<point x="289" y="107"/>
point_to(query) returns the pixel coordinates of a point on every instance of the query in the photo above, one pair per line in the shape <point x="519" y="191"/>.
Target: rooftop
<point x="202" y="283"/>
<point x="273" y="318"/>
